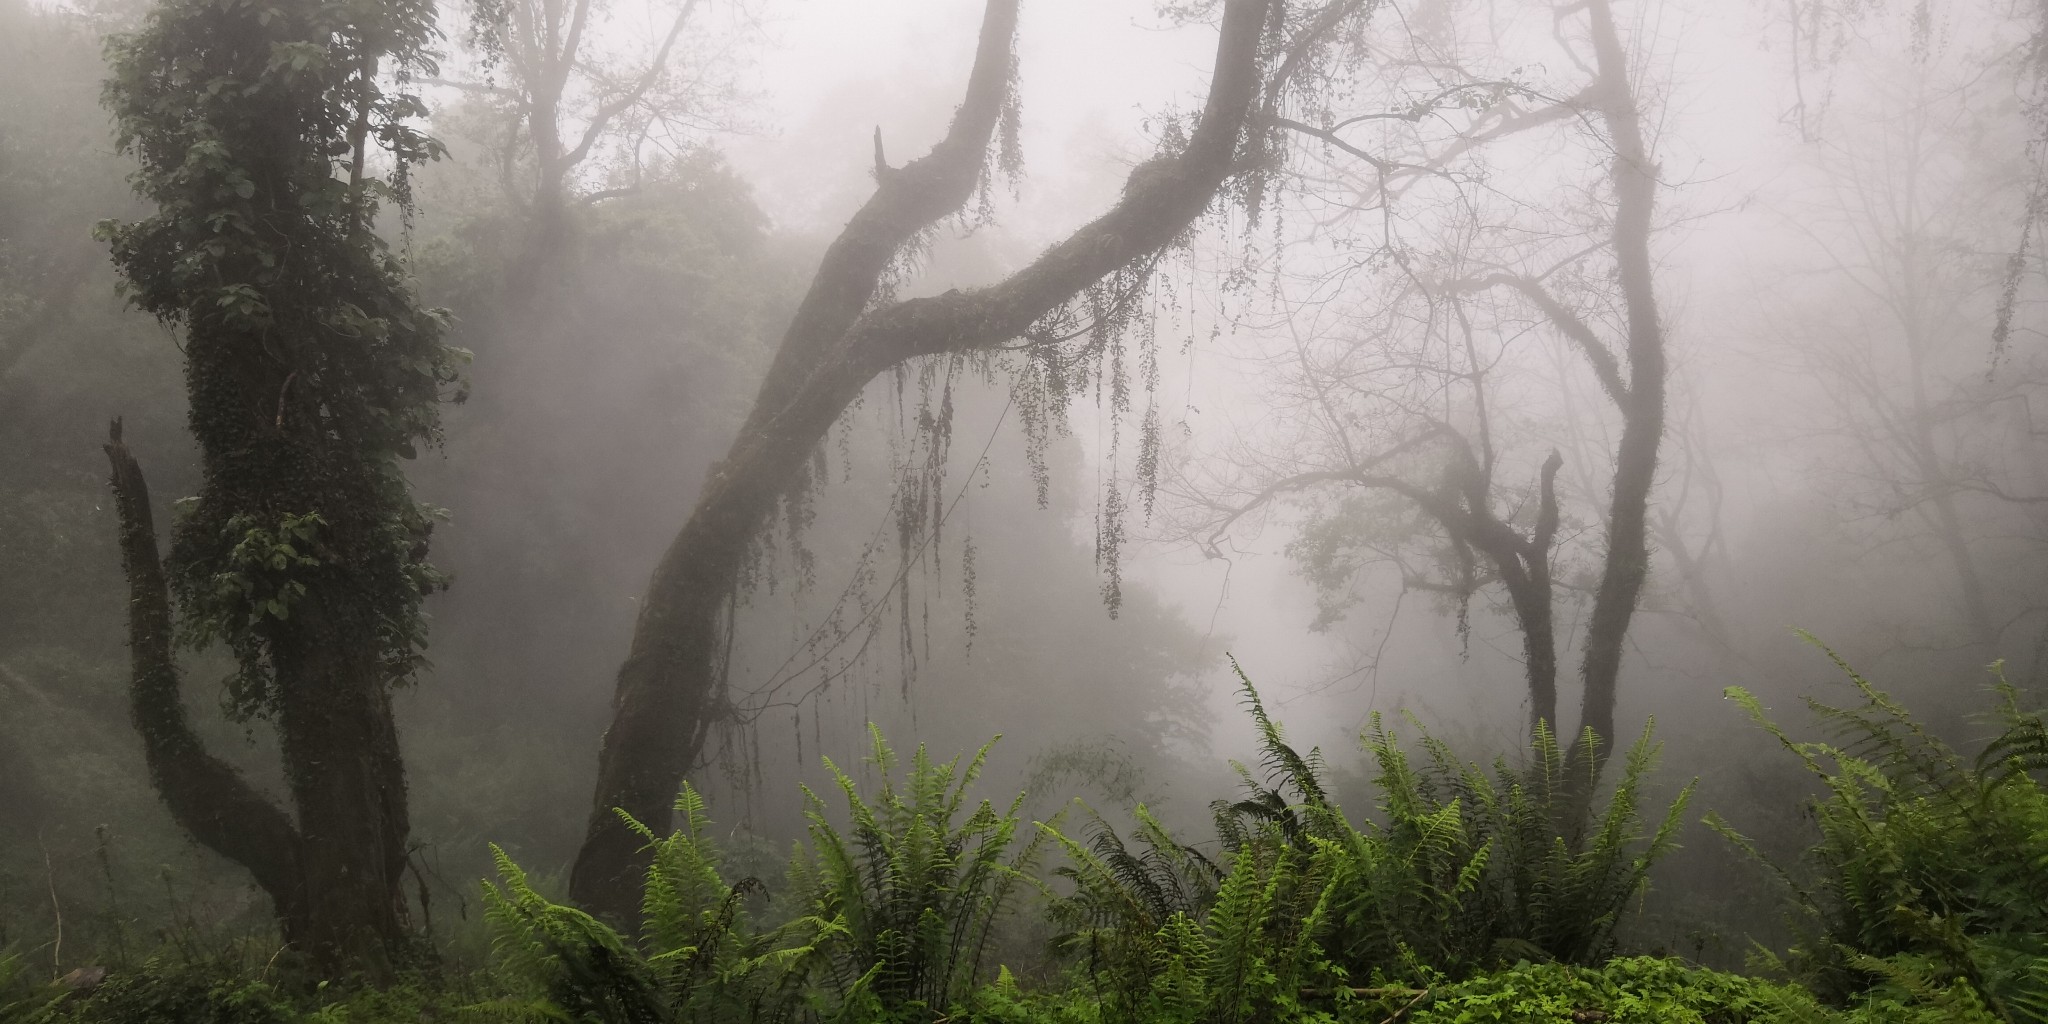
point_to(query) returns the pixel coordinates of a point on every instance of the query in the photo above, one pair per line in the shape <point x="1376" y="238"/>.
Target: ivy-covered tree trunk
<point x="840" y="339"/>
<point x="311" y="370"/>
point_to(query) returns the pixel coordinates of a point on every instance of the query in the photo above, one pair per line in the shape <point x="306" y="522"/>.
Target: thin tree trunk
<point x="1524" y="567"/>
<point x="1628" y="552"/>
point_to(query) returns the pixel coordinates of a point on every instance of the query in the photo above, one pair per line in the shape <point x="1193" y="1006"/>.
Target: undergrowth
<point x="1467" y="894"/>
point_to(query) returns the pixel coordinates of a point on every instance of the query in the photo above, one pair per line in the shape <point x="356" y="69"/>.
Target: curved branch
<point x="833" y="347"/>
<point x="207" y="796"/>
<point x="1605" y="365"/>
<point x="906" y="201"/>
<point x="1161" y="200"/>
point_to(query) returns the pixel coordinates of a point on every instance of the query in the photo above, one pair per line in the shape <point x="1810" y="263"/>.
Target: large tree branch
<point x="1162" y="198"/>
<point x="563" y="60"/>
<point x="207" y="796"/>
<point x="906" y="201"/>
<point x="833" y="348"/>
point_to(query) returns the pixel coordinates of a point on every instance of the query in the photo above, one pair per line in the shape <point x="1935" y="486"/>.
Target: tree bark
<point x="668" y="687"/>
<point x="339" y="742"/>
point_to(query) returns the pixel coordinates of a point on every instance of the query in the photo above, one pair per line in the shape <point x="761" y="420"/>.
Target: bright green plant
<point x="1463" y="870"/>
<point x="895" y="915"/>
<point x="21" y="995"/>
<point x="168" y="989"/>
<point x="1130" y="915"/>
<point x="905" y="900"/>
<point x="698" y="958"/>
<point x="1931" y="873"/>
<point x="1630" y="990"/>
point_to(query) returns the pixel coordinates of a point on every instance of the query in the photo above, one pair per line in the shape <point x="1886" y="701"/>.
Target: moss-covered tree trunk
<point x="347" y="780"/>
<point x="311" y="371"/>
<point x="334" y="880"/>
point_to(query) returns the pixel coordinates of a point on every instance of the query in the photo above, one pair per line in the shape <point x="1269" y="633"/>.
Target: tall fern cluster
<point x="905" y="901"/>
<point x="1930" y="880"/>
<point x="697" y="959"/>
<point x="1462" y="869"/>
<point x="893" y="915"/>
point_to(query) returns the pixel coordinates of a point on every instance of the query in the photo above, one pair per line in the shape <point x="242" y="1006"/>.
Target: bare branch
<point x="1358" y="474"/>
<point x="633" y="93"/>
<point x="1605" y="365"/>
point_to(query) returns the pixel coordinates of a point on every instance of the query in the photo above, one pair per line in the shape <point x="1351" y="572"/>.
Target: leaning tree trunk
<point x="1627" y="563"/>
<point x="668" y="686"/>
<point x="334" y="878"/>
<point x="206" y="796"/>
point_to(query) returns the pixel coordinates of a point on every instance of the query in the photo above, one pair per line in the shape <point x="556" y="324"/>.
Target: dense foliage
<point x="254" y="125"/>
<point x="1467" y="897"/>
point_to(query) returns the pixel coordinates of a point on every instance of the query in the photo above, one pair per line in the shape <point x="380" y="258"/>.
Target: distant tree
<point x="573" y="104"/>
<point x="615" y="279"/>
<point x="849" y="328"/>
<point x="1414" y="404"/>
<point x="1925" y="433"/>
<point x="311" y="372"/>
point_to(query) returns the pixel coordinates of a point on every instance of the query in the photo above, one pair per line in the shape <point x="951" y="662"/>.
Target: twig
<point x="57" y="908"/>
<point x="1405" y="1007"/>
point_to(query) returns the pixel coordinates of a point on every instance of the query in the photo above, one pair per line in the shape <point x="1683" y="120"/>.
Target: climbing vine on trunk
<point x="311" y="370"/>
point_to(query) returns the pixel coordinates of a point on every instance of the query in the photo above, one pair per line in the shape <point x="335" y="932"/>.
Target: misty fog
<point x="1489" y="369"/>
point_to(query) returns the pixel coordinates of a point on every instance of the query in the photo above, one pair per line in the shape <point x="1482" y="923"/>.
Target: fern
<point x="580" y="968"/>
<point x="1462" y="869"/>
<point x="1931" y="870"/>
<point x="902" y="904"/>
<point x="698" y="959"/>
